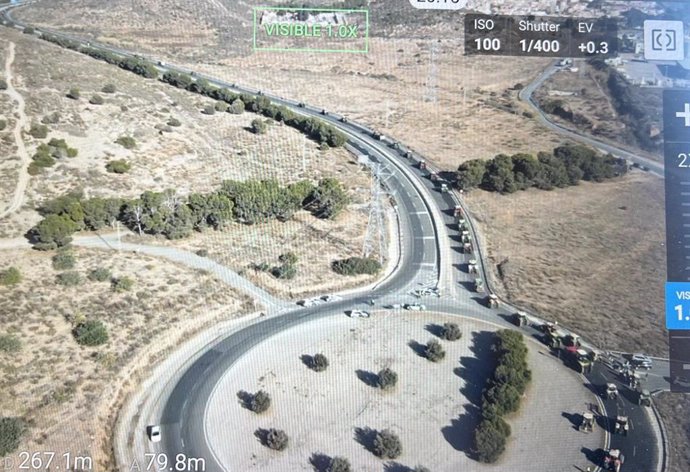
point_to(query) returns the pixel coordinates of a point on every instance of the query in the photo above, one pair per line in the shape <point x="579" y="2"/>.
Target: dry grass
<point x="66" y="391"/>
<point x="675" y="411"/>
<point x="591" y="257"/>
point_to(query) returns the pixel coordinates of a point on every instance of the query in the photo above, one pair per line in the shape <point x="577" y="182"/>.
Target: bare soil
<point x="64" y="391"/>
<point x="590" y="256"/>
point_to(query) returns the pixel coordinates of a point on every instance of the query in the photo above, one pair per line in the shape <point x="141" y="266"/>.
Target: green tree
<point x="434" y="351"/>
<point x="276" y="439"/>
<point x="91" y="333"/>
<point x="526" y="170"/>
<point x="490" y="440"/>
<point x="356" y="266"/>
<point x="387" y="379"/>
<point x="101" y="212"/>
<point x="471" y="174"/>
<point x="258" y="126"/>
<point x="328" y="199"/>
<point x="237" y="107"/>
<point x="339" y="464"/>
<point x="451" y="332"/>
<point x="260" y="402"/>
<point x="319" y="362"/>
<point x="499" y="175"/>
<point x="119" y="166"/>
<point x="387" y="444"/>
<point x="54" y="231"/>
<point x="10" y="276"/>
<point x="11" y="432"/>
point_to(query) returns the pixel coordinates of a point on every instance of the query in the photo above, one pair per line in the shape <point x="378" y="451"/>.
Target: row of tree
<point x="175" y="216"/>
<point x="314" y="128"/>
<point x="502" y="394"/>
<point x="566" y="166"/>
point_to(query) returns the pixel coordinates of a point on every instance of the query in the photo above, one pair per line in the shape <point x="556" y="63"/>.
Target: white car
<point x="154" y="433"/>
<point x="640" y="360"/>
<point x="357" y="314"/>
<point x="414" y="307"/>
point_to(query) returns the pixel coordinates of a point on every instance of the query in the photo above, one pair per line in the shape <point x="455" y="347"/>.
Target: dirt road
<point x="23" y="179"/>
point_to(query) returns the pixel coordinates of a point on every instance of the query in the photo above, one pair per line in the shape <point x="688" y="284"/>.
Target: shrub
<point x="258" y="126"/>
<point x="91" y="333"/>
<point x="10" y="276"/>
<point x="221" y="106"/>
<point x="261" y="401"/>
<point x="10" y="343"/>
<point x="237" y="107"/>
<point x="490" y="439"/>
<point x="51" y="119"/>
<point x="202" y="253"/>
<point x="119" y="166"/>
<point x="434" y="351"/>
<point x="63" y="260"/>
<point x="276" y="439"/>
<point x="3" y="124"/>
<point x="356" y="266"/>
<point x="38" y="131"/>
<point x="174" y="122"/>
<point x="339" y="464"/>
<point x="451" y="332"/>
<point x="3" y="84"/>
<point x="74" y="93"/>
<point x="319" y="363"/>
<point x="68" y="279"/>
<point x="96" y="100"/>
<point x="11" y="432"/>
<point x="126" y="142"/>
<point x="29" y="30"/>
<point x="284" y="272"/>
<point x="122" y="284"/>
<point x="100" y="274"/>
<point x="288" y="258"/>
<point x="387" y="445"/>
<point x="109" y="88"/>
<point x="54" y="231"/>
<point x="387" y="379"/>
<point x="208" y="110"/>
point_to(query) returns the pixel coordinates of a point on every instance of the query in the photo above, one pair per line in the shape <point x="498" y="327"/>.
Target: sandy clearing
<point x="320" y="411"/>
<point x="19" y="127"/>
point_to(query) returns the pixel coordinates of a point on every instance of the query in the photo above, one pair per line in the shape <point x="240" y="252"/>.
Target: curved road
<point x="425" y="245"/>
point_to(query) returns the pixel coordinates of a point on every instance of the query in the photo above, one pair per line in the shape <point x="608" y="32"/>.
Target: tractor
<point x="472" y="267"/>
<point x="587" y="424"/>
<point x="613" y="460"/>
<point x="478" y="285"/>
<point x="520" y="319"/>
<point x="611" y="391"/>
<point x="491" y="301"/>
<point x="622" y="425"/>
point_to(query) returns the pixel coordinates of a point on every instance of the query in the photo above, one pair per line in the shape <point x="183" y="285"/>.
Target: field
<point x="591" y="257"/>
<point x="194" y="157"/>
<point x="68" y="393"/>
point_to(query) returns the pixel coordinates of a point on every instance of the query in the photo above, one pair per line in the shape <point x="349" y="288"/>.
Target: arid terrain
<point x="591" y="257"/>
<point x="66" y="392"/>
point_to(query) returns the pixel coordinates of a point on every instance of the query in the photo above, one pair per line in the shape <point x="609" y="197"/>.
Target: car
<point x="644" y="168"/>
<point x="343" y="119"/>
<point x="331" y="298"/>
<point x="414" y="307"/>
<point x="301" y="105"/>
<point x="393" y="306"/>
<point x="357" y="314"/>
<point x="640" y="360"/>
<point x="154" y="433"/>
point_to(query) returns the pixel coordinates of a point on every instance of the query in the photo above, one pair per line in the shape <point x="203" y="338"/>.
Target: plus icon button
<point x="685" y="114"/>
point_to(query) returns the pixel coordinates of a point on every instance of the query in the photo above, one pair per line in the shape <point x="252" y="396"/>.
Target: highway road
<point x="526" y="95"/>
<point x="427" y="253"/>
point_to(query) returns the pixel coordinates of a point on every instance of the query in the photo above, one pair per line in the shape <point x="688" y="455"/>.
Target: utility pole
<point x="375" y="241"/>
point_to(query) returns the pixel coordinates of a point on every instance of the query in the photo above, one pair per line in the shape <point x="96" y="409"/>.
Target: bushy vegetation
<point x="276" y="439"/>
<point x="10" y="344"/>
<point x="174" y="216"/>
<point x="100" y="274"/>
<point x="69" y="279"/>
<point x="451" y="332"/>
<point x="29" y="30"/>
<point x="38" y="131"/>
<point x="502" y="394"/>
<point x="434" y="351"/>
<point x="122" y="284"/>
<point x="10" y="276"/>
<point x="566" y="166"/>
<point x="287" y="268"/>
<point x="3" y="124"/>
<point x="74" y="93"/>
<point x="126" y="142"/>
<point x="387" y="444"/>
<point x="387" y="379"/>
<point x="118" y="166"/>
<point x="339" y="464"/>
<point x="3" y="84"/>
<point x="11" y="432"/>
<point x="328" y="199"/>
<point x="109" y="88"/>
<point x="260" y="402"/>
<point x="356" y="266"/>
<point x="258" y="126"/>
<point x="91" y="333"/>
<point x="63" y="260"/>
<point x="174" y="122"/>
<point x="319" y="362"/>
<point x="96" y="99"/>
